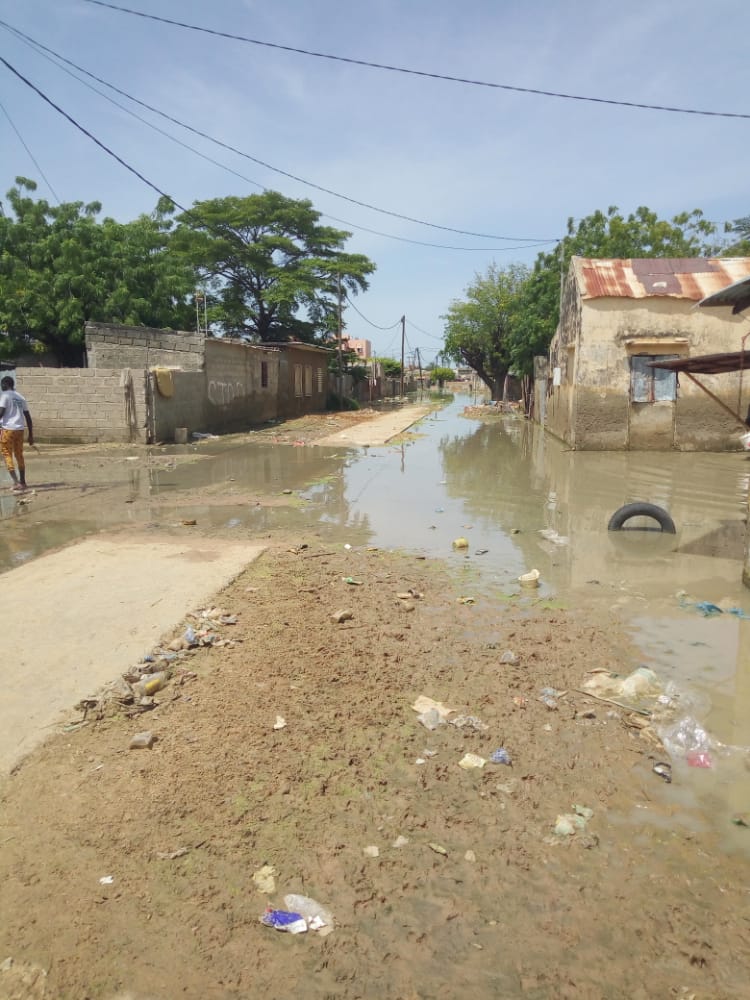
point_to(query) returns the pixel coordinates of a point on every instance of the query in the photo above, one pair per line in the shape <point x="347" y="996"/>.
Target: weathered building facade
<point x="598" y="390"/>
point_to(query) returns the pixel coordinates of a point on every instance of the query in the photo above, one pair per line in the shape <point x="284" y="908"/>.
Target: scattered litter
<point x="371" y="851"/>
<point x="511" y="658"/>
<point x="347" y="546"/>
<point x="280" y="722"/>
<point x="407" y="595"/>
<point x="698" y="758"/>
<point x="200" y="436"/>
<point x="519" y="701"/>
<point x="431" y="719"/>
<point x="470" y="856"/>
<point x="420" y="760"/>
<point x="265" y="880"/>
<point x="351" y="581"/>
<point x="282" y="920"/>
<point x="552" y="536"/>
<point x="172" y="855"/>
<point x="460" y="543"/>
<point x="664" y="771"/>
<point x="317" y="916"/>
<point x="481" y="552"/>
<point x="471" y="760"/>
<point x="424" y="704"/>
<point x="469" y="722"/>
<point x="142" y="741"/>
<point x="440" y="510"/>
<point x="438" y="849"/>
<point x="234" y="522"/>
<point x="429" y="753"/>
<point x="500" y="756"/>
<point x="189" y="522"/>
<point x="465" y="600"/>
<point x="400" y="841"/>
<point x="286" y="492"/>
<point x="530" y="579"/>
<point x="342" y="616"/>
<point x="106" y="880"/>
<point x="685" y="738"/>
<point x="741" y="819"/>
<point x="189" y="636"/>
<point x="568" y="824"/>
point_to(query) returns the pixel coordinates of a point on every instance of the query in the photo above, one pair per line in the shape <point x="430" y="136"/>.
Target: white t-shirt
<point x="15" y="404"/>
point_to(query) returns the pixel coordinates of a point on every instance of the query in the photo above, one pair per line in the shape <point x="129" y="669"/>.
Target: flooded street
<point x="520" y="499"/>
<point x="443" y="878"/>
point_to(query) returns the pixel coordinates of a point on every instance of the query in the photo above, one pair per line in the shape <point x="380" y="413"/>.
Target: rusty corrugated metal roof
<point x="736" y="295"/>
<point x="707" y="364"/>
<point x="639" y="278"/>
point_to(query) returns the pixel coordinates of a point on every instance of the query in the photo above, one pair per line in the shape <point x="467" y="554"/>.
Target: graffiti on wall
<point x="225" y="393"/>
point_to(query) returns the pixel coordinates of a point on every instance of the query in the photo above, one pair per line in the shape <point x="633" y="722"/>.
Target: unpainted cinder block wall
<point x="85" y="405"/>
<point x="186" y="407"/>
<point x="111" y="346"/>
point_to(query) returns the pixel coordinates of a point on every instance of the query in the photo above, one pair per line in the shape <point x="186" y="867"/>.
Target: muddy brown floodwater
<point x="470" y="891"/>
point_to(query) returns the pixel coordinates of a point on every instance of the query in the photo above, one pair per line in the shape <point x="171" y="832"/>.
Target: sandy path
<point x="77" y="618"/>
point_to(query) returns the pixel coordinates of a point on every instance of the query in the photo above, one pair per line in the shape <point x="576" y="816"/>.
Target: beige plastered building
<point x="597" y="391"/>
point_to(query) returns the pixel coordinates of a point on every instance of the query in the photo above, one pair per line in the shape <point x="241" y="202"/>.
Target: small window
<point x="652" y="385"/>
<point x="298" y="380"/>
<point x="308" y="380"/>
<point x="264" y="374"/>
<point x="320" y="377"/>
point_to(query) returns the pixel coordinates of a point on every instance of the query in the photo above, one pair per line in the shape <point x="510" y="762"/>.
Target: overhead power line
<point x="375" y="325"/>
<point x="51" y="56"/>
<point x="535" y="241"/>
<point x="416" y="72"/>
<point x="31" y="155"/>
<point x="419" y="328"/>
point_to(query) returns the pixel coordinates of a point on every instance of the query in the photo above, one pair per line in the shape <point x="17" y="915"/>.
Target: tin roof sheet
<point x="736" y="295"/>
<point x="707" y="364"/>
<point x="691" y="278"/>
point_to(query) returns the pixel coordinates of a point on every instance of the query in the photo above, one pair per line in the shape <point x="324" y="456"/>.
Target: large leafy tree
<point x="478" y="328"/>
<point x="61" y="267"/>
<point x="272" y="271"/>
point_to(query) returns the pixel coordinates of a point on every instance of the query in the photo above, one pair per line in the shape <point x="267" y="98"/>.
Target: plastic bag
<point x="686" y="738"/>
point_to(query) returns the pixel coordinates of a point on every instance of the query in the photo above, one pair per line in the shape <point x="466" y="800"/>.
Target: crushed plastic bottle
<point x="318" y="917"/>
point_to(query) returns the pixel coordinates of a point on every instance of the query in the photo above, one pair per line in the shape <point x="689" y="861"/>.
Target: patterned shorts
<point x="11" y="445"/>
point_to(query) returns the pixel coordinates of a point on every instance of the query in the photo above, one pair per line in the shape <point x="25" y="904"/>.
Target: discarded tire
<point x="618" y="519"/>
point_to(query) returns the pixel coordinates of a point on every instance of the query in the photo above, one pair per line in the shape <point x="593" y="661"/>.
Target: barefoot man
<point x="13" y="410"/>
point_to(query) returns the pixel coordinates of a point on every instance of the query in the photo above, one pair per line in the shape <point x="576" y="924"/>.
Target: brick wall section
<point x="83" y="404"/>
<point x="111" y="346"/>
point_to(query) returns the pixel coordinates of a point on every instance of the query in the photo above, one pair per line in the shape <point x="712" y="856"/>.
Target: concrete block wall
<point x="85" y="405"/>
<point x="236" y="398"/>
<point x="185" y="408"/>
<point x="111" y="346"/>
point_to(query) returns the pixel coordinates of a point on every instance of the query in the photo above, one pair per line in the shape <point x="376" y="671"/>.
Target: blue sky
<point x="466" y="157"/>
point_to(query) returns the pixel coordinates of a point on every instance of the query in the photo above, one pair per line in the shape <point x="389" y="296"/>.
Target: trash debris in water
<point x="530" y="579"/>
<point x="709" y="610"/>
<point x="460" y="543"/>
<point x="552" y="536"/>
<point x="664" y="771"/>
<point x="698" y="758"/>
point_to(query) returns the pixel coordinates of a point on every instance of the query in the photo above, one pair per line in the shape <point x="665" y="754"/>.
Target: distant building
<point x="362" y="348"/>
<point x="597" y="389"/>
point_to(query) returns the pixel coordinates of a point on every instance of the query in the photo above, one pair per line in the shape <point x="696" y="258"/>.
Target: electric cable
<point x="423" y="73"/>
<point x="53" y="56"/>
<point x="375" y="325"/>
<point x="419" y="328"/>
<point x="530" y="241"/>
<point x="31" y="155"/>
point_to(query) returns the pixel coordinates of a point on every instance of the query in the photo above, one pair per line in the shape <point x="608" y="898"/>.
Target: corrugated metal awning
<point x="707" y="364"/>
<point x="736" y="295"/>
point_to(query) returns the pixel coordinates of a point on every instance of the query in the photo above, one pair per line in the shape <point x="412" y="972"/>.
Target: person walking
<point x="13" y="410"/>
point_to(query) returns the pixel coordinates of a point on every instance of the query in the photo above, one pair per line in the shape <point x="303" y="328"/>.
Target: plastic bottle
<point x="151" y="683"/>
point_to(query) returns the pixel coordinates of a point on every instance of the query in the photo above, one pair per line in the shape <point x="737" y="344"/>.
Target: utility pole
<point x="421" y="381"/>
<point x="341" y="357"/>
<point x="403" y="338"/>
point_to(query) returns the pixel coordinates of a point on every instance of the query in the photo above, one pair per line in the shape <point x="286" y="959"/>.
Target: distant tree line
<point x="509" y="314"/>
<point x="269" y="270"/>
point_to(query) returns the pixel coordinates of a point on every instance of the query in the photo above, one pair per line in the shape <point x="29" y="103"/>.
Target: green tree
<point x="477" y="329"/>
<point x="60" y="267"/>
<point x="441" y="375"/>
<point x="273" y="271"/>
<point x="739" y="234"/>
<point x="391" y="368"/>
